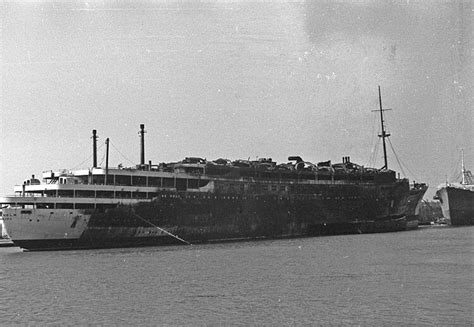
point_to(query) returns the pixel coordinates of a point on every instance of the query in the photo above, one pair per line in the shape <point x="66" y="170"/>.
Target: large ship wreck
<point x="197" y="200"/>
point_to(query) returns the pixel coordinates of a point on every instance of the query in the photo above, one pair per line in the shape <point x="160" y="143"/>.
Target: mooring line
<point x="161" y="229"/>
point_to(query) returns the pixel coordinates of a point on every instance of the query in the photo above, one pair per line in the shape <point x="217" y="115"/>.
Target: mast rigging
<point x="384" y="133"/>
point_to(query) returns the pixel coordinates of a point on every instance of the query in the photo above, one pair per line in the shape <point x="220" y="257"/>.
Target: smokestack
<point x="142" y="151"/>
<point x="94" y="148"/>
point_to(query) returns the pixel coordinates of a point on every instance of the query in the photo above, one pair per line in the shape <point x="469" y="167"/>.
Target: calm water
<point x="422" y="277"/>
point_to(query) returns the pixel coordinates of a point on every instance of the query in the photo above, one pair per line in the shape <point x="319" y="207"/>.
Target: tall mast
<point x="384" y="133"/>
<point x="107" y="161"/>
<point x="463" y="169"/>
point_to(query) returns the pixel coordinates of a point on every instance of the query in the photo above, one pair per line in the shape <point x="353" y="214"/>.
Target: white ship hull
<point x="68" y="228"/>
<point x="27" y="224"/>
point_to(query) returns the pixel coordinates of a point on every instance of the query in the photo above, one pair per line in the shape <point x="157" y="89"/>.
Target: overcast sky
<point x="236" y="79"/>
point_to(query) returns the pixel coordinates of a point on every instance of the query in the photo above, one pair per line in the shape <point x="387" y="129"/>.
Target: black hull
<point x="368" y="227"/>
<point x="412" y="222"/>
<point x="81" y="243"/>
<point x="414" y="199"/>
<point x="461" y="207"/>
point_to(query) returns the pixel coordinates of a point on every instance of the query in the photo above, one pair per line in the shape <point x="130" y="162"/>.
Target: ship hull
<point x="368" y="227"/>
<point x="414" y="198"/>
<point x="186" y="217"/>
<point x="108" y="240"/>
<point x="457" y="205"/>
<point x="83" y="243"/>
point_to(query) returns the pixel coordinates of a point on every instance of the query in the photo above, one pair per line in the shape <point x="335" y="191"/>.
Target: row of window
<point x="166" y="182"/>
<point x="184" y="183"/>
<point x="75" y="206"/>
<point x="53" y="205"/>
<point x="253" y="187"/>
<point x="99" y="194"/>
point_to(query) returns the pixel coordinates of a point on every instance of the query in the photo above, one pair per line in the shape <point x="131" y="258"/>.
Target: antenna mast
<point x="384" y="133"/>
<point x="107" y="161"/>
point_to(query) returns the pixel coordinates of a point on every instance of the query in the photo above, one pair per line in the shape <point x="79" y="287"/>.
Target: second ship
<point x="457" y="199"/>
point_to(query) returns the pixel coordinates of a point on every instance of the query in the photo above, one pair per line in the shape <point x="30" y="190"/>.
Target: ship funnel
<point x="142" y="150"/>
<point x="94" y="148"/>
